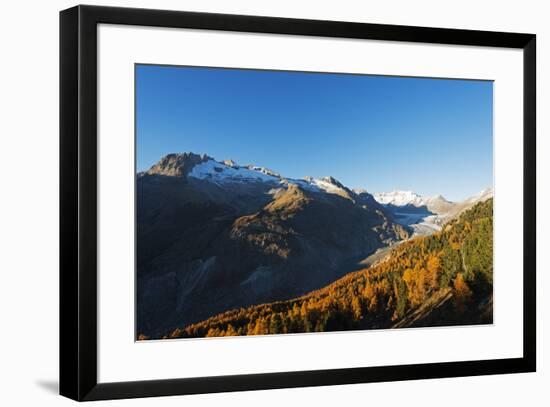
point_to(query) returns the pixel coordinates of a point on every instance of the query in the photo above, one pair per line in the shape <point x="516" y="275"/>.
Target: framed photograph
<point x="258" y="202"/>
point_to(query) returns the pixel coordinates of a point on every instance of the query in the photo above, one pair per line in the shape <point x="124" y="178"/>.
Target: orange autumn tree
<point x="463" y="293"/>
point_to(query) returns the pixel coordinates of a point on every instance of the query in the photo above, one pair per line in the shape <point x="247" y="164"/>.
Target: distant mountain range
<point x="402" y="198"/>
<point x="215" y="235"/>
<point x="426" y="214"/>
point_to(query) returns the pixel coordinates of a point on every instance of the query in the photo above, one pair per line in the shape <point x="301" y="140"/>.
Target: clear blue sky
<point x="381" y="133"/>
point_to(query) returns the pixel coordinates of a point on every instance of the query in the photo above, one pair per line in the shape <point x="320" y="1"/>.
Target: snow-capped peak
<point x="402" y="198"/>
<point x="482" y="195"/>
<point x="399" y="198"/>
<point x="177" y="165"/>
<point x="328" y="184"/>
<point x="229" y="171"/>
<point x="230" y="163"/>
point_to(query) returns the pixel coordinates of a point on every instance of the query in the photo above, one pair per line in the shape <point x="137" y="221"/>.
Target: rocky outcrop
<point x="177" y="165"/>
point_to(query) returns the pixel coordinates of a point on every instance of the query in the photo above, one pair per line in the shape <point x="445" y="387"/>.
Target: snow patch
<point x="221" y="172"/>
<point x="305" y="184"/>
<point x="327" y="186"/>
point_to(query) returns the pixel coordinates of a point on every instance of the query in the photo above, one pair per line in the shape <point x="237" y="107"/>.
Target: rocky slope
<point x="212" y="236"/>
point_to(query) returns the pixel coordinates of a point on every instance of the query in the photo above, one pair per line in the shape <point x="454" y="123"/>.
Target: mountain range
<point x="214" y="236"/>
<point x="424" y="215"/>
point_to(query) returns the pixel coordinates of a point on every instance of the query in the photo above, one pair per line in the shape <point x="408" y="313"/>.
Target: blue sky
<point x="381" y="133"/>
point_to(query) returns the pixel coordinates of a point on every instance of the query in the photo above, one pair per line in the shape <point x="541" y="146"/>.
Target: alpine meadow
<point x="279" y="202"/>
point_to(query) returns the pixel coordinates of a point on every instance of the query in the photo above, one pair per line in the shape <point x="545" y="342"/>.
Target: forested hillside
<point x="442" y="279"/>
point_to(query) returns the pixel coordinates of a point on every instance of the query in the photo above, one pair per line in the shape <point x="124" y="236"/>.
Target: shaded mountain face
<point x="212" y="236"/>
<point x="425" y="215"/>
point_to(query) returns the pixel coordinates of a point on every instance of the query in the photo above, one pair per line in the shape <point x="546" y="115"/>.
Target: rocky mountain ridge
<point x="214" y="235"/>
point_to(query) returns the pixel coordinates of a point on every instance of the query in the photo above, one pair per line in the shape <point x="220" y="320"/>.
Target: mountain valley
<point x="214" y="236"/>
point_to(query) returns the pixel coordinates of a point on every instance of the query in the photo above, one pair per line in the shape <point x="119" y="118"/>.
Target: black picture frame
<point x="78" y="202"/>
